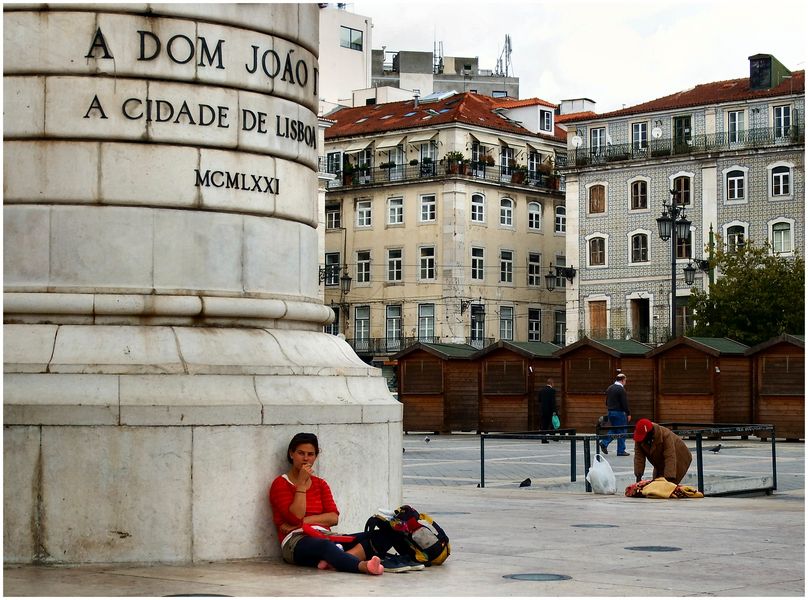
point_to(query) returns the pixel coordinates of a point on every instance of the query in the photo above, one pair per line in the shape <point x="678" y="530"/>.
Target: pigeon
<point x="403" y="450"/>
<point x="526" y="483"/>
<point x="716" y="449"/>
<point x="426" y="439"/>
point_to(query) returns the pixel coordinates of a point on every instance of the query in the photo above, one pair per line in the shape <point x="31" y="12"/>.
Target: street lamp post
<point x="673" y="225"/>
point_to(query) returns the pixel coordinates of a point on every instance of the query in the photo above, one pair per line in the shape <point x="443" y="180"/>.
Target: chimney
<point x="416" y="95"/>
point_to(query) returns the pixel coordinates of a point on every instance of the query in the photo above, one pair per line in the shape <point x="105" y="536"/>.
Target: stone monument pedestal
<point x="163" y="320"/>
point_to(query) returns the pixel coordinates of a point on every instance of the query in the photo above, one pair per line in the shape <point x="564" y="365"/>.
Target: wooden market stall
<point x="778" y="384"/>
<point x="590" y="366"/>
<point x="703" y="380"/>
<point x="439" y="387"/>
<point x="510" y="375"/>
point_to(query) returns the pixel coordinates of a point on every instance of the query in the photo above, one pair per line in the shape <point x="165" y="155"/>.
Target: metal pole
<point x="774" y="462"/>
<point x="699" y="463"/>
<point x="674" y="214"/>
<point x="482" y="461"/>
<point x="573" y="452"/>
<point x="587" y="463"/>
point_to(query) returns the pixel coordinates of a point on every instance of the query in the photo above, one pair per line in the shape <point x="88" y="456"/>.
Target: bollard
<point x="774" y="462"/>
<point x="587" y="463"/>
<point x="482" y="461"/>
<point x="573" y="458"/>
<point x="699" y="463"/>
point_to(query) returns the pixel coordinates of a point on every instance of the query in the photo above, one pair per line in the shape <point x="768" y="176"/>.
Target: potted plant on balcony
<point x="454" y="161"/>
<point x="519" y="174"/>
<point x="348" y="172"/>
<point x="413" y="162"/>
<point x="427" y="166"/>
<point x="489" y="160"/>
<point x="388" y="165"/>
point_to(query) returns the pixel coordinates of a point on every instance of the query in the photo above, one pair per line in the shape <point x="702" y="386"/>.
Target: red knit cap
<point x="642" y="429"/>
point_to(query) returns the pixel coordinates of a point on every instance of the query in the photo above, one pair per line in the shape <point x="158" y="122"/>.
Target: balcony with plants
<point x="453" y="164"/>
<point x="664" y="147"/>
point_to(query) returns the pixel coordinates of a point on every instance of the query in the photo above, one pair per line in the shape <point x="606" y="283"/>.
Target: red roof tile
<point x="717" y="92"/>
<point x="468" y="108"/>
<point x="513" y="103"/>
<point x="575" y="116"/>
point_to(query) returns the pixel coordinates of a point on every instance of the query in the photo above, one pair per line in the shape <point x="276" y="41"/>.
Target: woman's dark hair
<point x="299" y="440"/>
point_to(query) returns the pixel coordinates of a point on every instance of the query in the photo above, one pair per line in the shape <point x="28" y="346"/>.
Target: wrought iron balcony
<point x="751" y="138"/>
<point x="357" y="177"/>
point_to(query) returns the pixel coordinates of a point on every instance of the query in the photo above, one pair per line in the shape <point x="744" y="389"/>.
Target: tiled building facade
<point x="731" y="151"/>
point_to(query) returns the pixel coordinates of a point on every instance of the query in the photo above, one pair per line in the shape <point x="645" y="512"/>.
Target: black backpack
<point x="417" y="536"/>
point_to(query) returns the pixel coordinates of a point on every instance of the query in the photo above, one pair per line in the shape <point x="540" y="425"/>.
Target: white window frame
<point x="744" y="182"/>
<point x="393" y="323"/>
<point x="426" y="263"/>
<point x="560" y="220"/>
<point x="631" y="182"/>
<point x="770" y="176"/>
<point x="426" y="321"/>
<point x="394" y="273"/>
<point x="533" y="324"/>
<point x="561" y="281"/>
<point x="364" y="214"/>
<point x="506" y="322"/>
<point x="534" y="274"/>
<point x="597" y="139"/>
<point x="630" y="240"/>
<point x="395" y="210"/>
<point x="534" y="215"/>
<point x="770" y="226"/>
<point x="506" y="208"/>
<point x="735" y="131"/>
<point x="428" y="209"/>
<point x="332" y="222"/>
<point x="692" y="177"/>
<point x="362" y="323"/>
<point x="477" y="214"/>
<point x="478" y="263"/>
<point x="639" y="135"/>
<point x="605" y="237"/>
<point x="781" y="123"/>
<point x="363" y="266"/>
<point x="332" y="262"/>
<point x="546" y="120"/>
<point x="559" y="326"/>
<point x="506" y="265"/>
<point x="725" y="233"/>
<point x="588" y="187"/>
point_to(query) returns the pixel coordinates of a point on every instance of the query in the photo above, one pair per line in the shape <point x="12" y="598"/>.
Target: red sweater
<point x="282" y="493"/>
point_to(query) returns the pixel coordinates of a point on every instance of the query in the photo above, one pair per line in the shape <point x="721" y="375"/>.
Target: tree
<point x="758" y="296"/>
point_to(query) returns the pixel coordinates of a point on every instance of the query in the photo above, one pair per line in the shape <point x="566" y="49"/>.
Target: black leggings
<point x="311" y="550"/>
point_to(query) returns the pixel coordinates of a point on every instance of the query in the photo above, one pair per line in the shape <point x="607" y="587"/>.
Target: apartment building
<point x="730" y="153"/>
<point x="345" y="55"/>
<point x="431" y="72"/>
<point x="444" y="217"/>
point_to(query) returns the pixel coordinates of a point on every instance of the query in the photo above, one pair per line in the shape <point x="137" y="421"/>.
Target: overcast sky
<point x="616" y="53"/>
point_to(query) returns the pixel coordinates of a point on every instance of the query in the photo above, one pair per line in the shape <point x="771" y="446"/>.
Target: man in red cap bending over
<point x="664" y="450"/>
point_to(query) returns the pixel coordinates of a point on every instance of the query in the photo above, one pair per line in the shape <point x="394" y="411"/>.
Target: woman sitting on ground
<point x="298" y="497"/>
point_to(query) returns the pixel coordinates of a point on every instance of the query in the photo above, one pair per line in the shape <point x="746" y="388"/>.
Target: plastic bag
<point x="601" y="477"/>
<point x="556" y="421"/>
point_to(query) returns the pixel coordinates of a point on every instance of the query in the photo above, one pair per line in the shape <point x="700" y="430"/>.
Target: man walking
<point x="547" y="406"/>
<point x="619" y="413"/>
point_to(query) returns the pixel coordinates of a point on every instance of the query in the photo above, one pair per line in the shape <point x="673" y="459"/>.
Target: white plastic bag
<point x="601" y="477"/>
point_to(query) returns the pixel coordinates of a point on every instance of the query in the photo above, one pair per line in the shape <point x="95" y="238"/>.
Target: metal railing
<point x="646" y="335"/>
<point x="751" y="138"/>
<point x="442" y="169"/>
<point x="699" y="430"/>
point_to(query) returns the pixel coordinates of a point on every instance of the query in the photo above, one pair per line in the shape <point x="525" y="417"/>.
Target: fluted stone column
<point x="163" y="326"/>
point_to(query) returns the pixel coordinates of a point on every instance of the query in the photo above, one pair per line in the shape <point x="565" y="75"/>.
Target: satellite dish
<point x="656" y="133"/>
<point x="577" y="141"/>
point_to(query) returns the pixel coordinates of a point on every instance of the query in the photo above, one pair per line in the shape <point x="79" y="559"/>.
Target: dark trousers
<point x="311" y="550"/>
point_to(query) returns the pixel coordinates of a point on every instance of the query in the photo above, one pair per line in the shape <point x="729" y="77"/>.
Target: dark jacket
<point x="547" y="400"/>
<point x="616" y="398"/>
<point x="668" y="454"/>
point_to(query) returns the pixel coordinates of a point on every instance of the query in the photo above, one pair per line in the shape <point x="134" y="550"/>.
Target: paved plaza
<point x="555" y="538"/>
